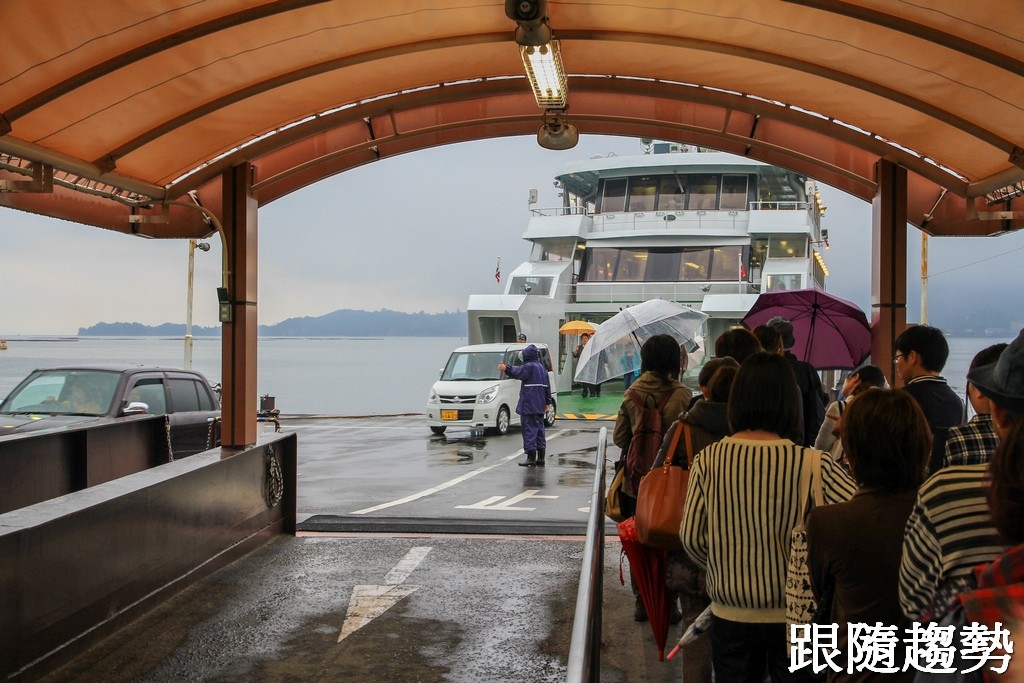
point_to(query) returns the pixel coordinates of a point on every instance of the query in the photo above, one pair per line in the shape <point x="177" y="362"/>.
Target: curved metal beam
<point x="107" y="160"/>
<point x="932" y="35"/>
<point x="151" y="48"/>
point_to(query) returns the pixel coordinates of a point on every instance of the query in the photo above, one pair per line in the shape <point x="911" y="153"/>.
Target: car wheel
<point x="438" y="430"/>
<point x="501" y="426"/>
<point x="549" y="415"/>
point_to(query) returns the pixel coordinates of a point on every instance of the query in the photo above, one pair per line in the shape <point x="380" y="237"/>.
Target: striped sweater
<point x="948" y="533"/>
<point x="742" y="504"/>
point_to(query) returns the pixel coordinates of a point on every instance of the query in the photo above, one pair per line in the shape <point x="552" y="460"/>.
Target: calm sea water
<point x="318" y="375"/>
<point x="321" y="375"/>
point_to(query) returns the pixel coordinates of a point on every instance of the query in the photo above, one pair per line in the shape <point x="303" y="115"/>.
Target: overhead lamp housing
<point x="547" y="76"/>
<point x="556" y="132"/>
<point x="531" y="18"/>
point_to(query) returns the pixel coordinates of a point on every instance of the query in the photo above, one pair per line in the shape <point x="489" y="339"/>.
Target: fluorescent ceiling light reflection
<point x="547" y="77"/>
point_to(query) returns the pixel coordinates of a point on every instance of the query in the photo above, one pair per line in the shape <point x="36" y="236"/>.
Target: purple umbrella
<point x="830" y="332"/>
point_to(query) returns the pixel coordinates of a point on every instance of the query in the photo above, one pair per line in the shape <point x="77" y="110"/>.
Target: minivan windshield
<point x="474" y="365"/>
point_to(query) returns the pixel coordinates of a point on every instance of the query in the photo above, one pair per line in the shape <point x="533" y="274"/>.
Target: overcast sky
<point x="420" y="232"/>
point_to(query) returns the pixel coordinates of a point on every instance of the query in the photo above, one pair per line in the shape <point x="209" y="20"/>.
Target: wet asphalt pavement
<point x="424" y="558"/>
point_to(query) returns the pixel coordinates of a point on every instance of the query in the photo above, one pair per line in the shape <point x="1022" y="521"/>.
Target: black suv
<point x="79" y="395"/>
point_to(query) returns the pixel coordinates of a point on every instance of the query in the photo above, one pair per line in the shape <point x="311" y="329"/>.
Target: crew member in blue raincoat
<point x="534" y="398"/>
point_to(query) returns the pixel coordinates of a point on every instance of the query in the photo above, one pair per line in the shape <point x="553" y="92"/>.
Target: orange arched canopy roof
<point x="135" y="105"/>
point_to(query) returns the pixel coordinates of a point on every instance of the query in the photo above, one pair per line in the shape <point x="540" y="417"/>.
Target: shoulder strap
<point x="689" y="443"/>
<point x="670" y="454"/>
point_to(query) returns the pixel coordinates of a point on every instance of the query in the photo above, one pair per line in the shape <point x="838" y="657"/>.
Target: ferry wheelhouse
<point x="706" y="229"/>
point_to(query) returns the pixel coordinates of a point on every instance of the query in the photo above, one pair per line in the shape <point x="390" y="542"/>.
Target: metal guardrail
<point x="585" y="645"/>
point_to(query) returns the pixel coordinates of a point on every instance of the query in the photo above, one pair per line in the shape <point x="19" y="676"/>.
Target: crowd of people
<point x="921" y="519"/>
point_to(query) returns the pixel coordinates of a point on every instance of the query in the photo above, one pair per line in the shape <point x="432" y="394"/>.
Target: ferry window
<point x="758" y="254"/>
<point x="778" y="283"/>
<point x="601" y="265"/>
<point x="613" y="198"/>
<point x="534" y="286"/>
<point x="734" y="192"/>
<point x="662" y="265"/>
<point x="703" y="192"/>
<point x="725" y="263"/>
<point x="672" y="193"/>
<point x="631" y="266"/>
<point x="641" y="193"/>
<point x="552" y="250"/>
<point x="694" y="265"/>
<point x="787" y="246"/>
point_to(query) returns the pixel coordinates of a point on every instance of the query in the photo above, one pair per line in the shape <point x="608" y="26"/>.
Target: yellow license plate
<point x="449" y="415"/>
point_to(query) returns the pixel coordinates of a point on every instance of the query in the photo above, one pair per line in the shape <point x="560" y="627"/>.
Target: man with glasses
<point x="950" y="530"/>
<point x="921" y="353"/>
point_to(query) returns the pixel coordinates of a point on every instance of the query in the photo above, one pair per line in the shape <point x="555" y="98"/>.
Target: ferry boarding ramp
<point x="476" y="581"/>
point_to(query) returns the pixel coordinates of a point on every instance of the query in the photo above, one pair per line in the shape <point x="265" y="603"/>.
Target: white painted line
<point x="445" y="485"/>
<point x="493" y="504"/>
<point x="369" y="602"/>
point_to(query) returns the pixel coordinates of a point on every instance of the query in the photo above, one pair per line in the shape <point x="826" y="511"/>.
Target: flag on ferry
<point x="497" y="271"/>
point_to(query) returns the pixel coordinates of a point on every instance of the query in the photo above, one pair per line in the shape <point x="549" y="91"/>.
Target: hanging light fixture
<point x="547" y="77"/>
<point x="542" y="60"/>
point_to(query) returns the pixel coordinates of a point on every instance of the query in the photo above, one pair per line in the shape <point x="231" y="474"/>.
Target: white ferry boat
<point x="706" y="229"/>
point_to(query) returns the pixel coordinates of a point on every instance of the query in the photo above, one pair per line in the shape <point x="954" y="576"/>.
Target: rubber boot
<point x="540" y="457"/>
<point x="531" y="459"/>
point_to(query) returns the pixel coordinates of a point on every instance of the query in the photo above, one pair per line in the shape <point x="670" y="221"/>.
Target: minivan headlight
<point x="487" y="395"/>
<point x="432" y="398"/>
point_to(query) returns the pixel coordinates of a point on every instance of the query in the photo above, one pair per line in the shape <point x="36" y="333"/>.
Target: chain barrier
<point x="274" y="483"/>
<point x="167" y="432"/>
<point x="209" y="432"/>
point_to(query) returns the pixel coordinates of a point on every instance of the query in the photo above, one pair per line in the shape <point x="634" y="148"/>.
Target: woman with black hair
<point x="743" y="501"/>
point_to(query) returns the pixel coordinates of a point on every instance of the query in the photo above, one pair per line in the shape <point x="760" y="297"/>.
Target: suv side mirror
<point x="136" y="408"/>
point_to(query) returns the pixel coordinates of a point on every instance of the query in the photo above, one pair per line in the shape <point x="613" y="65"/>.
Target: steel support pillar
<point x="888" y="264"/>
<point x="238" y="340"/>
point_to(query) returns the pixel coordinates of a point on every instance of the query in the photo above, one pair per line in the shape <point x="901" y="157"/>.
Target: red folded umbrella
<point x="648" y="567"/>
<point x="829" y="332"/>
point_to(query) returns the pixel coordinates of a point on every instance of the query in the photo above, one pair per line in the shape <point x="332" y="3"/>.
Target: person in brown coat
<point x="659" y="366"/>
<point x="707" y="422"/>
<point x="856" y="546"/>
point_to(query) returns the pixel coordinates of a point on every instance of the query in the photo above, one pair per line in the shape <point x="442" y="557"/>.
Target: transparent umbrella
<point x="614" y="349"/>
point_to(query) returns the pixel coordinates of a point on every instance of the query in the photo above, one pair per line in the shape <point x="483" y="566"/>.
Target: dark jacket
<point x="535" y="392"/>
<point x="812" y="398"/>
<point x="942" y="408"/>
<point x="708" y="422"/>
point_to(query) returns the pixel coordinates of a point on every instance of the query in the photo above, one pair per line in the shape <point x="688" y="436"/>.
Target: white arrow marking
<point x="493" y="504"/>
<point x="369" y="602"/>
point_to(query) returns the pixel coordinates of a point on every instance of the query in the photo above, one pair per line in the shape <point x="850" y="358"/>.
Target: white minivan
<point x="473" y="393"/>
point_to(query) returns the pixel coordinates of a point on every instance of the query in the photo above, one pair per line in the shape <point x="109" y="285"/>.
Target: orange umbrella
<point x="577" y="327"/>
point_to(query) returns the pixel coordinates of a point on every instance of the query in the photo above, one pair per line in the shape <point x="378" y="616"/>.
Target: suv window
<point x="150" y="392"/>
<point x="184" y="394"/>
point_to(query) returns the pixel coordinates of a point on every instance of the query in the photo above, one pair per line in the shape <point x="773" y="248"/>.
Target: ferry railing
<point x="631" y="293"/>
<point x="585" y="645"/>
<point x="699" y="219"/>
<point x="560" y="211"/>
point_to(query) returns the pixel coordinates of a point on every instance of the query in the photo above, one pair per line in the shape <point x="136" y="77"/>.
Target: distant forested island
<point x="341" y="323"/>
